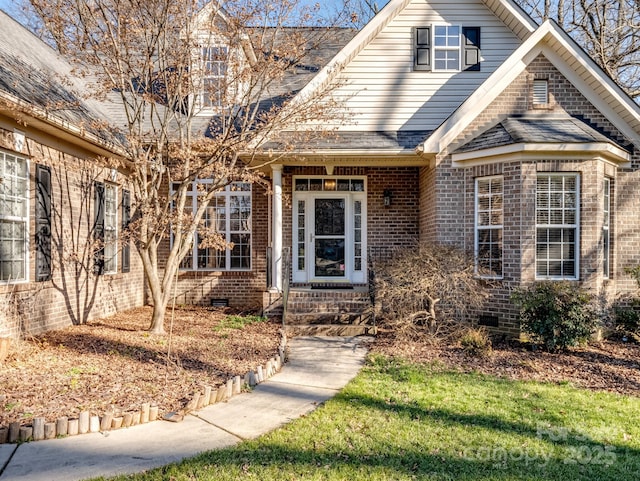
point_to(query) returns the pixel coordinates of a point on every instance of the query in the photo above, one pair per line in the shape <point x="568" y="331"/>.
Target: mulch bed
<point x="116" y="363"/>
<point x="609" y="365"/>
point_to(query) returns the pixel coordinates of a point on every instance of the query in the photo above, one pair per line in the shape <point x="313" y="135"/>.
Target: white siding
<point x="383" y="92"/>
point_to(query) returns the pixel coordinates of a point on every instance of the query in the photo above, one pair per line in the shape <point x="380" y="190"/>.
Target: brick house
<point x="468" y="124"/>
<point x="56" y="196"/>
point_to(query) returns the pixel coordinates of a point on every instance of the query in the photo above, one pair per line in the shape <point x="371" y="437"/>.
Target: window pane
<point x="229" y="214"/>
<point x="556" y="218"/>
<point x="14" y="195"/>
<point x="489" y="217"/>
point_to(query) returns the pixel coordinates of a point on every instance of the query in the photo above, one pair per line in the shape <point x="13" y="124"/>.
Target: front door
<point x="329" y="238"/>
<point x="329" y="231"/>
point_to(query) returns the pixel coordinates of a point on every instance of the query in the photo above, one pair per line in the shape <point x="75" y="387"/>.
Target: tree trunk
<point x="157" y="318"/>
<point x="160" y="299"/>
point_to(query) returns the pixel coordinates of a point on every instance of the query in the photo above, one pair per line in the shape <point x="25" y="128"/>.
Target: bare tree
<point x="199" y="89"/>
<point x="608" y="30"/>
<point x="361" y="11"/>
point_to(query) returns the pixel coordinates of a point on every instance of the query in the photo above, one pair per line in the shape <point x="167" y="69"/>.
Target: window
<point x="14" y="217"/>
<point x="557" y="215"/>
<point x="489" y="220"/>
<point x="214" y="67"/>
<point x="448" y="48"/>
<point x="606" y="231"/>
<point x="228" y="214"/>
<point x="105" y="229"/>
<point x="540" y="92"/>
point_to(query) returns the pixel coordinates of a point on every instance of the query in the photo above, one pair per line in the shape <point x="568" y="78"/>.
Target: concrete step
<point x="330" y="308"/>
<point x="330" y="330"/>
<point x="341" y="317"/>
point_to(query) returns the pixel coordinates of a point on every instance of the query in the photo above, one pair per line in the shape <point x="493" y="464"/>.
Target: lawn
<point x="404" y="421"/>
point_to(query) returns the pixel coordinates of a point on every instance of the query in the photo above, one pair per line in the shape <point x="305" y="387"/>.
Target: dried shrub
<point x="422" y="287"/>
<point x="476" y="342"/>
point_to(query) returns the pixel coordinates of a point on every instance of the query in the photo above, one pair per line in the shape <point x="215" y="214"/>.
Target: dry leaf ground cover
<point x="115" y="362"/>
<point x="609" y="365"/>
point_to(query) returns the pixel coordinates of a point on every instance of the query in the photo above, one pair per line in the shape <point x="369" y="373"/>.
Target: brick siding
<point x="447" y="198"/>
<point x="74" y="294"/>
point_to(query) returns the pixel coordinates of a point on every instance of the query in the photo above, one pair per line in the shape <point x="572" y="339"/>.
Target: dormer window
<point x="446" y="48"/>
<point x="215" y="61"/>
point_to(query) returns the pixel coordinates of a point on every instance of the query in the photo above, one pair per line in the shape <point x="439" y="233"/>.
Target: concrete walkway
<point x="317" y="369"/>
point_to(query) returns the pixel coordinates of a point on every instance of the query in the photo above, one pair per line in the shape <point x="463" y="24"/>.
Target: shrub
<point x="557" y="314"/>
<point x="476" y="342"/>
<point x="422" y="287"/>
<point x="627" y="316"/>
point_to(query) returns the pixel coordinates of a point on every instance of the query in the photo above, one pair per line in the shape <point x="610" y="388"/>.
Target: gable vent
<point x="540" y="92"/>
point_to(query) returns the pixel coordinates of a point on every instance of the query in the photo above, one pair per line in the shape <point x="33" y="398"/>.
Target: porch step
<point x="329" y="317"/>
<point x="330" y="330"/>
<point x="339" y="312"/>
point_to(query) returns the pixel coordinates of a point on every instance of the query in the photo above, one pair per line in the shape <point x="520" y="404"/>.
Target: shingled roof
<point x="345" y="141"/>
<point x="38" y="80"/>
<point x="531" y="129"/>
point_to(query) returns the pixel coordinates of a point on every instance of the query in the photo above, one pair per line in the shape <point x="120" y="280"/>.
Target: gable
<point x="593" y="93"/>
<point x="378" y="83"/>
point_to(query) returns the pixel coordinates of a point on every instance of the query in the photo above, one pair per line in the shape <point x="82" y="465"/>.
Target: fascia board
<point x="519" y="14"/>
<point x="528" y="151"/>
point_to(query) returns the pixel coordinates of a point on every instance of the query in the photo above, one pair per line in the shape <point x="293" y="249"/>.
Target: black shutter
<point x="422" y="48"/>
<point x="43" y="223"/>
<point x="98" y="228"/>
<point x="126" y="216"/>
<point x="471" y="48"/>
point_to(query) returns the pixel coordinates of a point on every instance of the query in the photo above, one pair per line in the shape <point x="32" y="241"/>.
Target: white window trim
<point x="201" y="94"/>
<point x="301" y="275"/>
<point x="575" y="226"/>
<point x="114" y="258"/>
<point x="435" y="48"/>
<point x="227" y="193"/>
<point x="25" y="220"/>
<point x="477" y="228"/>
<point x="606" y="229"/>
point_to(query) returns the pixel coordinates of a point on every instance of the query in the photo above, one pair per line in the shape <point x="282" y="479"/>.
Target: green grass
<point x="398" y="421"/>
<point x="238" y="322"/>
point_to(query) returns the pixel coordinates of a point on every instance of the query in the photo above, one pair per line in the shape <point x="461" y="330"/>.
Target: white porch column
<point x="276" y="242"/>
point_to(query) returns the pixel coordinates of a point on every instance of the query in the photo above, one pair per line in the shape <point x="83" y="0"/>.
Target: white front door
<point x="329" y="236"/>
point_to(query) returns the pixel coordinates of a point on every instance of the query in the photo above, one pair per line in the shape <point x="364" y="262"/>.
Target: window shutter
<point x="471" y="45"/>
<point x="422" y="48"/>
<point x="126" y="217"/>
<point x="98" y="228"/>
<point x="43" y="223"/>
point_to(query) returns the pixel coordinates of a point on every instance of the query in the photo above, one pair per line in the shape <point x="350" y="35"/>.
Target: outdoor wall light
<point x="386" y="197"/>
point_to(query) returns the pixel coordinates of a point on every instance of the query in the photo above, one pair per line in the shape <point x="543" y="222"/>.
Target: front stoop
<point x="344" y="312"/>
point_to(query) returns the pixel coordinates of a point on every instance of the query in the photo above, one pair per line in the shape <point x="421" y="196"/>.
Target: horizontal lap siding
<point x="383" y="92"/>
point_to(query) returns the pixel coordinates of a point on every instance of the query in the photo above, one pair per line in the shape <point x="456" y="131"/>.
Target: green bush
<point x="627" y="316"/>
<point x="557" y="314"/>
